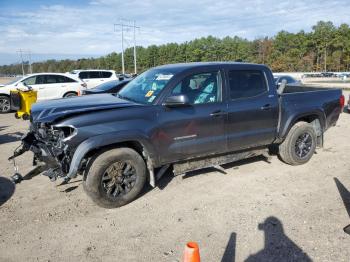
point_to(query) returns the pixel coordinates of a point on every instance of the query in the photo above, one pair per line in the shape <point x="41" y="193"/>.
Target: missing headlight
<point x="66" y="132"/>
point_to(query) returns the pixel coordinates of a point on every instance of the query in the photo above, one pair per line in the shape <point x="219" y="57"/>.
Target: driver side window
<point x="200" y="88"/>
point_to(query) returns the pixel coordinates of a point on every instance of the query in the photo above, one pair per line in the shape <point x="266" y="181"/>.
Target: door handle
<point x="266" y="107"/>
<point x="218" y="113"/>
<point x="41" y="87"/>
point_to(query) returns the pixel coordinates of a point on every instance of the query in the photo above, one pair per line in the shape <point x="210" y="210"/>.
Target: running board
<point x="215" y="161"/>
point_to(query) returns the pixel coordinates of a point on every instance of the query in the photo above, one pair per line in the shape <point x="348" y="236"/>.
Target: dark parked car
<point x="113" y="86"/>
<point x="289" y="80"/>
<point x="184" y="116"/>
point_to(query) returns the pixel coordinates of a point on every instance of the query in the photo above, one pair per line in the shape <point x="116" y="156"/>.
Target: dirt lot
<point x="257" y="211"/>
<point x="5" y="80"/>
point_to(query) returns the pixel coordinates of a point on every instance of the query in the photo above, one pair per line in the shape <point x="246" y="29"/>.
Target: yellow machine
<point x="22" y="101"/>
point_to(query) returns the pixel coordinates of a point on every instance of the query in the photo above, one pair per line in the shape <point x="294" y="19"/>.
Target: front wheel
<point x="299" y="145"/>
<point x="5" y="104"/>
<point x="115" y="177"/>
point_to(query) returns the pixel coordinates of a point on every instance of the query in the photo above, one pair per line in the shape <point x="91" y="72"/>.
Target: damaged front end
<point x="49" y="145"/>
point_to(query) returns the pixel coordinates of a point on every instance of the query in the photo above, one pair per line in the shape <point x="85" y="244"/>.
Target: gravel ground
<point x="258" y="211"/>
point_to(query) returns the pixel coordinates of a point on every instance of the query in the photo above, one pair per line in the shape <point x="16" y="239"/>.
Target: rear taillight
<point x="342" y="101"/>
<point x="79" y="93"/>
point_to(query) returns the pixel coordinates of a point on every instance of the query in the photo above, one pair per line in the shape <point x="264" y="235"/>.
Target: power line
<point x="29" y="54"/>
<point x="122" y="25"/>
<point x="20" y="51"/>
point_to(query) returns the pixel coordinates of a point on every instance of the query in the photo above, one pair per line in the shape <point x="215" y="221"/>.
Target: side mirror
<point x="177" y="100"/>
<point x="23" y="86"/>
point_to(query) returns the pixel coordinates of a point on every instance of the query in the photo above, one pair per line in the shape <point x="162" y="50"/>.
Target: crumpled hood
<point x="51" y="110"/>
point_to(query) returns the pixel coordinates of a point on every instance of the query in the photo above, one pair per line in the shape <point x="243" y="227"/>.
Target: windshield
<point x="145" y="88"/>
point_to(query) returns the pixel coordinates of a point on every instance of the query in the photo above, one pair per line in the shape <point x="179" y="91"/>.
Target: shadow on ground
<point x="168" y="175"/>
<point x="234" y="165"/>
<point x="10" y="137"/>
<point x="7" y="188"/>
<point x="345" y="196"/>
<point x="277" y="246"/>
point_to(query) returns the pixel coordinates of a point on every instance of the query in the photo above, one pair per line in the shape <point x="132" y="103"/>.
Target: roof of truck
<point x="184" y="66"/>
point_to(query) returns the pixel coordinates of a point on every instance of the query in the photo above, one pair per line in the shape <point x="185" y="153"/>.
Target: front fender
<point x="99" y="141"/>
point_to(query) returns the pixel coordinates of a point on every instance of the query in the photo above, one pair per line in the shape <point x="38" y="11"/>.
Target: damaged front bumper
<point x="49" y="143"/>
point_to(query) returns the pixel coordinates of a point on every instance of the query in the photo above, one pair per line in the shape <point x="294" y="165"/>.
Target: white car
<point x="94" y="78"/>
<point x="48" y="85"/>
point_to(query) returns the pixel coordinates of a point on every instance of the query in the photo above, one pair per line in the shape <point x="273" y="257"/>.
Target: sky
<point x="84" y="28"/>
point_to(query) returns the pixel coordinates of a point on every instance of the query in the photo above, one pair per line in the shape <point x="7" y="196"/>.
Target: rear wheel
<point x="70" y="94"/>
<point x="5" y="104"/>
<point x="115" y="177"/>
<point x="299" y="145"/>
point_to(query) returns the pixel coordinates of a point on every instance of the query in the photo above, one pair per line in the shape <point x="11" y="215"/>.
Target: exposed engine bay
<point x="48" y="143"/>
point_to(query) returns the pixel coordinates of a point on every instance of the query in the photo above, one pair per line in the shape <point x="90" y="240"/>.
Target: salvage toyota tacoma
<point x="180" y="116"/>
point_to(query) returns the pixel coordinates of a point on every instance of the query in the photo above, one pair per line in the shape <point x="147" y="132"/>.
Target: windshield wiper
<point x="126" y="98"/>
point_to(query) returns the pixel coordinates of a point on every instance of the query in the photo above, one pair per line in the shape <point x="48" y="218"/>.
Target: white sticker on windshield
<point x="151" y="99"/>
<point x="164" y="77"/>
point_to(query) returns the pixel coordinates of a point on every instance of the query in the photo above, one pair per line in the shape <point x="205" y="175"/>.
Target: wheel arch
<point x="70" y="92"/>
<point x="316" y="118"/>
<point x="94" y="145"/>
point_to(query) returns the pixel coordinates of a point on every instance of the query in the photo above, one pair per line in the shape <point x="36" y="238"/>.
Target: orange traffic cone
<point x="191" y="253"/>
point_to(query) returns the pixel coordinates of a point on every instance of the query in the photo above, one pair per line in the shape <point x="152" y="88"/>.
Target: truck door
<point x="196" y="129"/>
<point x="252" y="110"/>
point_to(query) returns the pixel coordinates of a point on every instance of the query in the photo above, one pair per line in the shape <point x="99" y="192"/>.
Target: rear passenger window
<point x="60" y="79"/>
<point x="51" y="79"/>
<point x="64" y="79"/>
<point x="41" y="79"/>
<point x="246" y="83"/>
<point x="106" y="74"/>
<point x="94" y="74"/>
<point x="83" y="75"/>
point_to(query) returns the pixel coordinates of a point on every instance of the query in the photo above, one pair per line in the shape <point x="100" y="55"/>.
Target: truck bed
<point x="323" y="102"/>
<point x="298" y="89"/>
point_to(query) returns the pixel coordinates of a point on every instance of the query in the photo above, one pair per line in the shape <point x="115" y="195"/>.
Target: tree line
<point x="325" y="48"/>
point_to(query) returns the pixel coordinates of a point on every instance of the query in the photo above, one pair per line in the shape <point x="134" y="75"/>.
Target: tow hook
<point x="65" y="181"/>
<point x="17" y="177"/>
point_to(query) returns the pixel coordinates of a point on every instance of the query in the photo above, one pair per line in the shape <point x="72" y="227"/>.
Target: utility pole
<point x="122" y="25"/>
<point x="325" y="59"/>
<point x="30" y="61"/>
<point x="20" y="51"/>
<point x="135" y="67"/>
<point x="123" y="66"/>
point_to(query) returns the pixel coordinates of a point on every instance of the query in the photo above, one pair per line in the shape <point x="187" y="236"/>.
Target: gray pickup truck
<point x="180" y="116"/>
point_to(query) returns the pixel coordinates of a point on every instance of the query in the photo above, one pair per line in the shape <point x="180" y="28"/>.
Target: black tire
<point x="70" y="94"/>
<point x="5" y="105"/>
<point x="106" y="175"/>
<point x="299" y="145"/>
